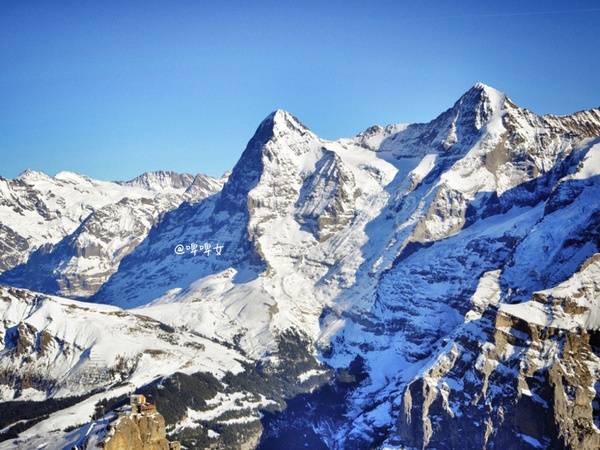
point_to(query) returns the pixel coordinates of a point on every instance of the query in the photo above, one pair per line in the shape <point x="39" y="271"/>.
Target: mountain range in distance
<point x="426" y="285"/>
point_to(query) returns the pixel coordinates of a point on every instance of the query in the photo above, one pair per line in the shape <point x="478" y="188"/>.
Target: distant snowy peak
<point x="32" y="176"/>
<point x="76" y="229"/>
<point x="160" y="180"/>
<point x="204" y="186"/>
<point x="157" y="181"/>
<point x="72" y="178"/>
<point x="373" y="137"/>
<point x="475" y="109"/>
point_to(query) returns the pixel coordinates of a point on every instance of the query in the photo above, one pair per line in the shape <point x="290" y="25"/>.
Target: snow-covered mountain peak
<point x="480" y="104"/>
<point x="281" y="118"/>
<point x="278" y="114"/>
<point x="483" y="90"/>
<point x="284" y="124"/>
<point x="33" y="176"/>
<point x="71" y="177"/>
<point x="487" y="89"/>
<point x="279" y="137"/>
<point x="160" y="180"/>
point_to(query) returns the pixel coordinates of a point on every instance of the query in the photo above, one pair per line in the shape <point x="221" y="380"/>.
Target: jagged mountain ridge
<point x="72" y="232"/>
<point x="399" y="245"/>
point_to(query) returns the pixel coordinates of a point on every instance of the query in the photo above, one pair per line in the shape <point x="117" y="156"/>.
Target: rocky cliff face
<point x="524" y="373"/>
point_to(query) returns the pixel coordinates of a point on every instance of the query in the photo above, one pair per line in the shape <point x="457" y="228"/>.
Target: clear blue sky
<point x="113" y="89"/>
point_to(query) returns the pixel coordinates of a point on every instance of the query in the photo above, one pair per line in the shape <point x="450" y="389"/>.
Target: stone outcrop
<point x="141" y="428"/>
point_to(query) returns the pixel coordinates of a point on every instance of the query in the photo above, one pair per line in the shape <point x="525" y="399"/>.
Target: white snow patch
<point x="311" y="373"/>
<point x="590" y="166"/>
<point x="424" y="167"/>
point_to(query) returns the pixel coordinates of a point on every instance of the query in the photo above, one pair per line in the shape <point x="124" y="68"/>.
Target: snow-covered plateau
<point x="429" y="285"/>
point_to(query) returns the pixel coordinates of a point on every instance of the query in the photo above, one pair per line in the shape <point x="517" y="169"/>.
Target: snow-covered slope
<point x="65" y="347"/>
<point x="58" y="348"/>
<point x="411" y="250"/>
